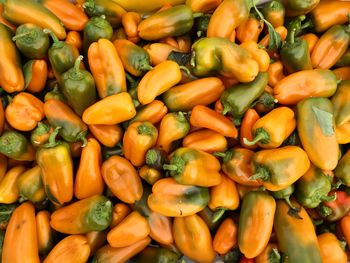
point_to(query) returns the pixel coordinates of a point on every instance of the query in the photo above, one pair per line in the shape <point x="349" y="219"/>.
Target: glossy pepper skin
<point x="237" y="99"/>
<point x="153" y="112"/>
<point x="175" y="21"/>
<point x="9" y="192"/>
<point x="120" y="211"/>
<point x="226" y="236"/>
<point x="35" y="75"/>
<point x="74" y="38"/>
<point x="108" y="135"/>
<point x="340" y="105"/>
<point x="296" y="237"/>
<point x="331" y="249"/>
<point x="31" y="40"/>
<point x="122" y="179"/>
<point x="106" y="68"/>
<point x="210" y="55"/>
<point x="176" y="200"/>
<point x="315" y="124"/>
<point x="206" y="140"/>
<point x="130" y="22"/>
<point x="21" y="236"/>
<point x="90" y="214"/>
<point x="249" y="30"/>
<point x="149" y="174"/>
<point x="189" y="166"/>
<point x="299" y="7"/>
<point x="281" y="167"/>
<point x="16" y="146"/>
<point x="192" y="237"/>
<point x="44" y="232"/>
<point x="342" y="169"/>
<point x="259" y="207"/>
<point x="274" y="12"/>
<point x="259" y="54"/>
<point x="78" y="86"/>
<point x="61" y="115"/>
<point x="157" y="255"/>
<point x="246" y="130"/>
<point x="304" y="84"/>
<point x="97" y="27"/>
<point x="11" y="76"/>
<point x="345" y="227"/>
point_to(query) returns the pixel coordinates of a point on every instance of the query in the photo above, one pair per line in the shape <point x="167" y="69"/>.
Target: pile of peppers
<point x="163" y="131"/>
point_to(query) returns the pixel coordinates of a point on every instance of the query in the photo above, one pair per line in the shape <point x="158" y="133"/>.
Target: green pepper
<point x="156" y="158"/>
<point x="239" y="98"/>
<point x="340" y="101"/>
<point x="313" y="188"/>
<point x="61" y="55"/>
<point x="55" y="94"/>
<point x="295" y="53"/>
<point x="334" y="210"/>
<point x="274" y="12"/>
<point x="16" y="146"/>
<point x="299" y="7"/>
<point x="156" y="255"/>
<point x="97" y="27"/>
<point x="285" y="194"/>
<point x="31" y="41"/>
<point x="342" y="171"/>
<point x="78" y="87"/>
<point x="110" y="9"/>
<point x="6" y="211"/>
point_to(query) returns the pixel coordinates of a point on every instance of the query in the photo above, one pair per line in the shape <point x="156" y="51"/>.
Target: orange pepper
<point x="159" y="52"/>
<point x="71" y="16"/>
<point x="259" y="55"/>
<point x="204" y="117"/>
<point x="44" y="232"/>
<point x="20" y="240"/>
<point x="96" y="239"/>
<point x="108" y="135"/>
<point x="345" y="228"/>
<point x="206" y="140"/>
<point x="149" y="174"/>
<point x="138" y="138"/>
<point x="130" y="22"/>
<point x="331" y="250"/>
<point x="218" y="107"/>
<point x="281" y="30"/>
<point x="119" y="34"/>
<point x="343" y="133"/>
<point x="170" y="41"/>
<point x="120" y="211"/>
<point x="106" y="68"/>
<point x="269" y="253"/>
<point x="102" y="112"/>
<point x="74" y="38"/>
<point x="122" y="179"/>
<point x="153" y="112"/>
<point x="39" y="76"/>
<point x="275" y="73"/>
<point x="311" y="40"/>
<point x="4" y="21"/>
<point x="342" y="73"/>
<point x="132" y="229"/>
<point x="9" y="192"/>
<point x="88" y="180"/>
<point x="246" y="130"/>
<point x="2" y="117"/>
<point x="203" y="6"/>
<point x="249" y="30"/>
<point x="184" y="43"/>
<point x="3" y="166"/>
<point x="226" y="236"/>
<point x="73" y="248"/>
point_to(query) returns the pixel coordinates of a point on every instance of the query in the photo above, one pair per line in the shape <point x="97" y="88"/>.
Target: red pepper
<point x="335" y="210"/>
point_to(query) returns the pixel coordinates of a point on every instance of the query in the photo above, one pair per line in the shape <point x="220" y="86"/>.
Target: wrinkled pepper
<point x="130" y="22"/>
<point x="206" y="140"/>
<point x="250" y="29"/>
<point x="16" y="146"/>
<point x="259" y="54"/>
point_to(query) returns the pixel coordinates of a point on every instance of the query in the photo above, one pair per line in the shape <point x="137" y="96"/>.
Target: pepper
<point x="73" y="247"/>
<point x="204" y="117"/>
<point x="269" y="255"/>
<point x="156" y="158"/>
<point x="206" y="140"/>
<point x="274" y="12"/>
<point x="72" y="17"/>
<point x="130" y="22"/>
<point x="299" y="7"/>
<point x="40" y="135"/>
<point x="304" y="84"/>
<point x="331" y="249"/>
<point x="208" y="216"/>
<point x="35" y="75"/>
<point x="2" y="117"/>
<point x="343" y="133"/>
<point x="106" y="68"/>
<point x="122" y="179"/>
<point x="342" y="73"/>
<point x="246" y="131"/>
<point x="45" y="233"/>
<point x="193" y="238"/>
<point x="111" y="9"/>
<point x="169" y="198"/>
<point x="78" y="86"/>
<point x="331" y="47"/>
<point x="296" y="234"/>
<point x="56" y="167"/>
<point x="3" y="165"/>
<point x="342" y="169"/>
<point x="21" y="236"/>
<point x="259" y="207"/>
<point x="16" y="146"/>
<point x="55" y="94"/>
<point x="238" y="99"/>
<point x="259" y="54"/>
<point x="225" y="237"/>
<point x="149" y="174"/>
<point x="108" y="135"/>
<point x="4" y="21"/>
<point x="5" y="216"/>
<point x="340" y="105"/>
<point x="345" y="227"/>
<point x="175" y="21"/>
<point x="88" y="179"/>
<point x="120" y="211"/>
<point x="61" y="115"/>
<point x="273" y="129"/>
<point x="11" y="75"/>
<point x="311" y="40"/>
<point x="9" y="192"/>
<point x="96" y="28"/>
<point x="156" y="255"/>
<point x="74" y="38"/>
<point x="275" y="72"/>
<point x="31" y="41"/>
<point x="271" y="166"/>
<point x="250" y="29"/>
<point x="334" y="210"/>
<point x="153" y="112"/>
<point x="24" y="111"/>
<point x="23" y="11"/>
<point x="285" y="194"/>
<point x="189" y="166"/>
<point x="210" y="55"/>
<point x="344" y="61"/>
<point x="315" y="123"/>
<point x="159" y="52"/>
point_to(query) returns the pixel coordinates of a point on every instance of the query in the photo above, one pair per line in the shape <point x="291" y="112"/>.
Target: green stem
<point x="21" y="35"/>
<point x="170" y="167"/>
<point x="287" y="199"/>
<point x="145" y="129"/>
<point x="196" y="15"/>
<point x="52" y="34"/>
<point x="76" y="74"/>
<point x="261" y="173"/>
<point x="330" y="198"/>
<point x="129" y="78"/>
<point x="257" y="138"/>
<point x="219" y="154"/>
<point x="151" y="156"/>
<point x="52" y="139"/>
<point x="83" y="139"/>
<point x="291" y="36"/>
<point x="89" y="4"/>
<point x="218" y="214"/>
<point x="325" y="211"/>
<point x="187" y="71"/>
<point x="136" y="103"/>
<point x="146" y="67"/>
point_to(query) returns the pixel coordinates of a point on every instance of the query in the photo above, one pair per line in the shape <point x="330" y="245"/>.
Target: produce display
<point x="163" y="131"/>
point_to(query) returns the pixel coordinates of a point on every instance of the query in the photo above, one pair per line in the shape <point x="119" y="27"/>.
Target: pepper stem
<point x="52" y="34"/>
<point x="219" y="154"/>
<point x="177" y="165"/>
<point x="261" y="135"/>
<point x="89" y="4"/>
<point x="77" y="64"/>
<point x="291" y="36"/>
<point x="325" y="211"/>
<point x="289" y="203"/>
<point x="330" y="198"/>
<point x="145" y="129"/>
<point x="187" y="71"/>
<point x="196" y="15"/>
<point x="103" y="213"/>
<point x="82" y="137"/>
<point x="146" y="67"/>
<point x="170" y="167"/>
<point x="52" y="139"/>
<point x="261" y="173"/>
<point x="218" y="214"/>
<point x="42" y="128"/>
<point x="151" y="156"/>
<point x="22" y="35"/>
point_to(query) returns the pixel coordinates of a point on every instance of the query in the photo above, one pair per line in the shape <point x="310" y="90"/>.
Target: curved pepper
<point x="189" y="166"/>
<point x="274" y="12"/>
<point x="210" y="55"/>
<point x="315" y="124"/>
<point x="272" y="130"/>
<point x="130" y="22"/>
<point x="157" y="255"/>
<point x="246" y="130"/>
<point x="175" y="21"/>
<point x="331" y="249"/>
<point x="96" y="28"/>
<point x="107" y="68"/>
<point x="271" y="166"/>
<point x="250" y="29"/>
<point x="259" y="207"/>
<point x="172" y="199"/>
<point x="16" y="146"/>
<point x="259" y="54"/>
<point x="342" y="171"/>
<point x="299" y="7"/>
<point x="108" y="135"/>
<point x="21" y="236"/>
<point x="35" y="75"/>
<point x="304" y="84"/>
<point x="225" y="237"/>
<point x="153" y="112"/>
<point x="74" y="38"/>
<point x="24" y="111"/>
<point x="193" y="238"/>
<point x="9" y="192"/>
<point x="122" y="179"/>
<point x="205" y="140"/>
<point x="41" y="134"/>
<point x="44" y="232"/>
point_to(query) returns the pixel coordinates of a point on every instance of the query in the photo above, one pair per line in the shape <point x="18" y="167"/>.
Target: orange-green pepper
<point x="257" y="206"/>
<point x="225" y="237"/>
<point x="192" y="237"/>
<point x="157" y="255"/>
<point x="331" y="249"/>
<point x="169" y="198"/>
<point x="108" y="135"/>
<point x="159" y="52"/>
<point x="250" y="29"/>
<point x="203" y="6"/>
<point x="274" y="12"/>
<point x="150" y="174"/>
<point x="9" y="192"/>
<point x="259" y="54"/>
<point x="271" y="130"/>
<point x="299" y="7"/>
<point x="41" y="134"/>
<point x="206" y="140"/>
<point x="311" y="40"/>
<point x="342" y="170"/>
<point x="281" y="167"/>
<point x="316" y="129"/>
<point x="269" y="255"/>
<point x="35" y="74"/>
<point x="340" y="103"/>
<point x="153" y="112"/>
<point x="122" y="179"/>
<point x="16" y="146"/>
<point x="189" y="166"/>
<point x="304" y="84"/>
<point x="44" y="232"/>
